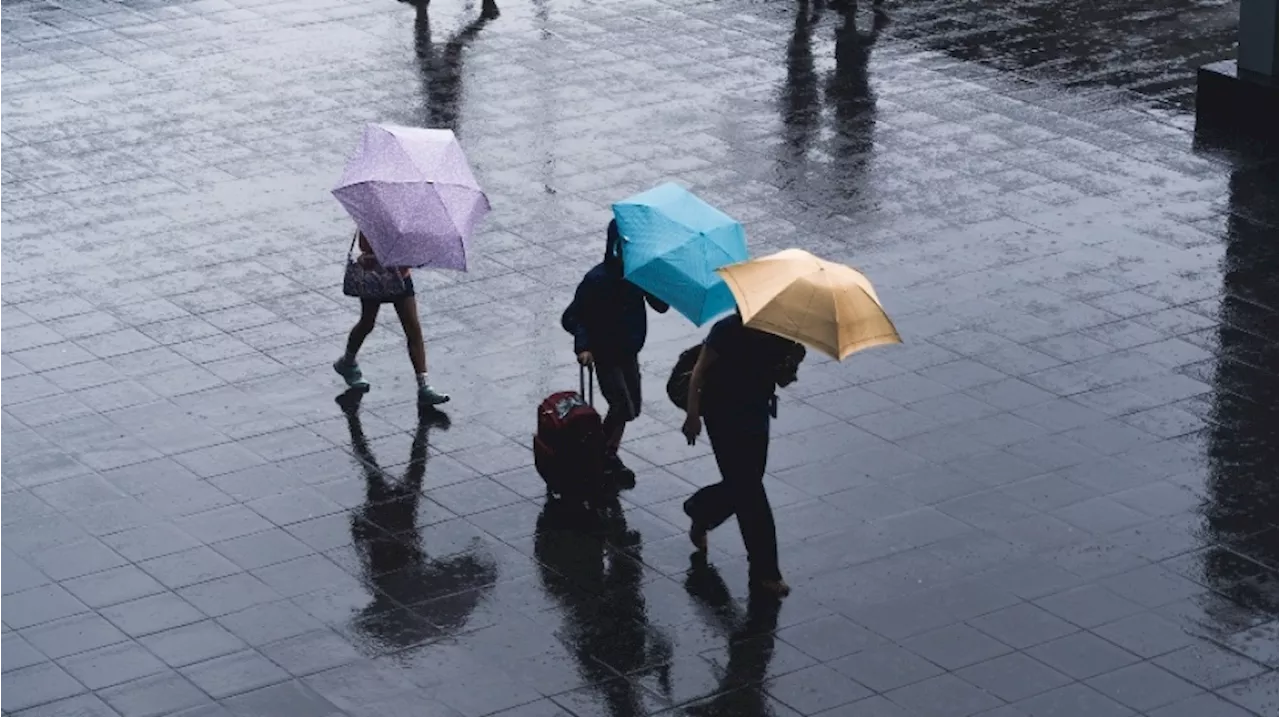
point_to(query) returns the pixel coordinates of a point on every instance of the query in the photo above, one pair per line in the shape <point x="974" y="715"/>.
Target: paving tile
<point x="19" y="653"/>
<point x="268" y="622"/>
<point x="885" y="668"/>
<point x="1143" y="686"/>
<point x="1202" y="705"/>
<point x="152" y="614"/>
<point x="287" y="698"/>
<point x="943" y="695"/>
<point x="875" y="706"/>
<point x="815" y="689"/>
<point x="1101" y="515"/>
<point x="112" y="665"/>
<point x="261" y="549"/>
<point x="75" y="559"/>
<point x="234" y="674"/>
<point x="81" y="706"/>
<point x="364" y="682"/>
<point x="37" y="684"/>
<point x="1208" y="665"/>
<point x="1075" y="699"/>
<point x="150" y="541"/>
<point x="1145" y="634"/>
<point x="113" y="586"/>
<point x="1150" y="586"/>
<point x="1023" y="625"/>
<point x="294" y="507"/>
<point x="955" y="646"/>
<point x="1088" y="605"/>
<point x="70" y="635"/>
<point x="189" y="567"/>
<point x="39" y="605"/>
<point x="828" y="638"/>
<point x="189" y="644"/>
<point x="1013" y="677"/>
<point x="302" y="575"/>
<point x="153" y="696"/>
<point x="310" y="652"/>
<point x="1082" y="655"/>
<point x="229" y="594"/>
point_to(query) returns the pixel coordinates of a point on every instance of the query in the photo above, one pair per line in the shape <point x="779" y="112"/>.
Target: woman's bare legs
<point x="368" y="319"/>
<point x="347" y="366"/>
<point x="407" y="310"/>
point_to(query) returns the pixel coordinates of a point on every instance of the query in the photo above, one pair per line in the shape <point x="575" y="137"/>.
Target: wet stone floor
<point x="1057" y="498"/>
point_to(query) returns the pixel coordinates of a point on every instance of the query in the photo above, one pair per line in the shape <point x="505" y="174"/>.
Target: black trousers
<point x="741" y="446"/>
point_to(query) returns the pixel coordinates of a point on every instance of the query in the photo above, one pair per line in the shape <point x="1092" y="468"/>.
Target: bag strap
<point x="351" y="249"/>
<point x="584" y="384"/>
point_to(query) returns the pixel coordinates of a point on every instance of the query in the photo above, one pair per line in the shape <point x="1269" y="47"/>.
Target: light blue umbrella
<point x="673" y="242"/>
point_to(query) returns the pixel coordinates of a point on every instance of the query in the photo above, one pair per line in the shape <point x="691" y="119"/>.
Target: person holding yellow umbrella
<point x="782" y="299"/>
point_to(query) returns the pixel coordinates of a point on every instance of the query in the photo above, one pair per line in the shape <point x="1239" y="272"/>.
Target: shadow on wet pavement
<point x="1057" y="497"/>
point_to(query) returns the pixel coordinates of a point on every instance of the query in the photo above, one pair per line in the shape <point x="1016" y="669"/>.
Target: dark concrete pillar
<point x="1256" y="56"/>
<point x="1237" y="98"/>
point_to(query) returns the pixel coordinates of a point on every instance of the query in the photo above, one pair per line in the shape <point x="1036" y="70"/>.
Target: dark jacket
<point x="607" y="316"/>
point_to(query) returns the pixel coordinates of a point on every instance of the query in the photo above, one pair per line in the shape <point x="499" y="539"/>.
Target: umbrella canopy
<point x="828" y="306"/>
<point x="673" y="242"/>
<point x="412" y="193"/>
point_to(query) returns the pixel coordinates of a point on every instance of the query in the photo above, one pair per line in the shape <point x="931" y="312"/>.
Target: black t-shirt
<point x="746" y="366"/>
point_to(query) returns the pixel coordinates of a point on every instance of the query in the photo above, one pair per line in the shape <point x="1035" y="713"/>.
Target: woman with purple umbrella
<point x="406" y="306"/>
<point x="415" y="202"/>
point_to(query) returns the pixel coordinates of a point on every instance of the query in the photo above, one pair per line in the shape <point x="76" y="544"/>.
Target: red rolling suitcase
<point x="569" y="447"/>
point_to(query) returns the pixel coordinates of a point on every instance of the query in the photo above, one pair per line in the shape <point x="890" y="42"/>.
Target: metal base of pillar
<point x="1234" y="104"/>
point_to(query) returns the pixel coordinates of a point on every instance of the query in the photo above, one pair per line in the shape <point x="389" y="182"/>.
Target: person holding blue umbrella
<point x="609" y="325"/>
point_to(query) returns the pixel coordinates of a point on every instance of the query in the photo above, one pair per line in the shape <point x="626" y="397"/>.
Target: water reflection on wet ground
<point x="1057" y="497"/>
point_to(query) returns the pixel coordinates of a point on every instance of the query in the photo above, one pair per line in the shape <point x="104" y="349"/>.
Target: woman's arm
<point x="705" y="358"/>
<point x="693" y="405"/>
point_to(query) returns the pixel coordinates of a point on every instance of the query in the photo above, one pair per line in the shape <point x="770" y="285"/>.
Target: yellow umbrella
<point x="794" y="294"/>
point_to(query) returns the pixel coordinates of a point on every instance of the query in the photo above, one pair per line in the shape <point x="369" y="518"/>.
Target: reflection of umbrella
<point x="673" y="243"/>
<point x="412" y="193"/>
<point x="405" y="581"/>
<point x="794" y="294"/>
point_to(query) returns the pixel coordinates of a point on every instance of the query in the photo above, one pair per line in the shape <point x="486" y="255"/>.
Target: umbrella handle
<point x="587" y="380"/>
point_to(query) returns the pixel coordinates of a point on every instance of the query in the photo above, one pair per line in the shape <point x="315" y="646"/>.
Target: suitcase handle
<point x="587" y="380"/>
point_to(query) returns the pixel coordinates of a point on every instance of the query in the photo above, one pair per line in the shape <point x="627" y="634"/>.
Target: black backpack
<point x="678" y="383"/>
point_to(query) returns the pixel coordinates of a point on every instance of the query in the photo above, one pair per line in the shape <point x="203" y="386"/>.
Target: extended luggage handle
<point x="587" y="380"/>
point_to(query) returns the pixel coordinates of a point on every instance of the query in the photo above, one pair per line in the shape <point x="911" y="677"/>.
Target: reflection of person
<point x="848" y="88"/>
<point x="406" y="306"/>
<point x="732" y="386"/>
<point x="589" y="561"/>
<point x="751" y="642"/>
<point x="799" y="102"/>
<point x="609" y="325"/>
<point x="442" y="74"/>
<point x="385" y="533"/>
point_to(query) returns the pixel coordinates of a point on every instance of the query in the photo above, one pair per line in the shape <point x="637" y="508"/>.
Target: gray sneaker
<point x="350" y="372"/>
<point x="431" y="397"/>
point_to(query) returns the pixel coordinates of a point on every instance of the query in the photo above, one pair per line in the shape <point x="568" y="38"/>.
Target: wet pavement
<point x="1057" y="498"/>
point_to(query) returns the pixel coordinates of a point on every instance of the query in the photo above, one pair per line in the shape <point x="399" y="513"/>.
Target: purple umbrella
<point x="412" y="193"/>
